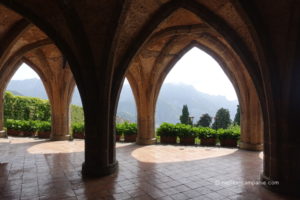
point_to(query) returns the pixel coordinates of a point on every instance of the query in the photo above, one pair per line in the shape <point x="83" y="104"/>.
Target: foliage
<point x="77" y="127"/>
<point x="29" y="108"/>
<point x="77" y="115"/>
<point x="28" y="125"/>
<point x="126" y="129"/>
<point x="205" y="120"/>
<point x="229" y="134"/>
<point x="237" y="117"/>
<point x="167" y="129"/>
<point x="204" y="132"/>
<point x="44" y="126"/>
<point x="185" y="117"/>
<point x="26" y="108"/>
<point x="222" y="119"/>
<point x="184" y="130"/>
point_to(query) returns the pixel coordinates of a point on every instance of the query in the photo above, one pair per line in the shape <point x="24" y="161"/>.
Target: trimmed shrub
<point x="207" y="133"/>
<point x="78" y="127"/>
<point x="167" y="129"/>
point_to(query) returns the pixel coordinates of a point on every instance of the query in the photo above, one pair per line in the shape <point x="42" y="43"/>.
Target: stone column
<point x="143" y="91"/>
<point x="2" y="131"/>
<point x="61" y="86"/>
<point x="146" y="119"/>
<point x="60" y="118"/>
<point x="100" y="150"/>
<point x="251" y="125"/>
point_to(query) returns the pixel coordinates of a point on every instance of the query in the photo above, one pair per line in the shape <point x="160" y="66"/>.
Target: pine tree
<point x="222" y="119"/>
<point x="237" y="117"/>
<point x="205" y="120"/>
<point x="185" y="117"/>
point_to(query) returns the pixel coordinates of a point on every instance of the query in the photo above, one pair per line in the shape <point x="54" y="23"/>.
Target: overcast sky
<point x="195" y="68"/>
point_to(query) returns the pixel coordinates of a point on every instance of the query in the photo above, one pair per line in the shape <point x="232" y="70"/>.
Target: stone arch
<point x="209" y="35"/>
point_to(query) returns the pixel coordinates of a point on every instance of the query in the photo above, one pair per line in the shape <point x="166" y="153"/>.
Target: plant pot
<point x="130" y="138"/>
<point x="228" y="142"/>
<point x="208" y="141"/>
<point x="187" y="140"/>
<point x="44" y="134"/>
<point x="168" y="139"/>
<point x="28" y="133"/>
<point x="12" y="132"/>
<point x="78" y="135"/>
<point x="118" y="138"/>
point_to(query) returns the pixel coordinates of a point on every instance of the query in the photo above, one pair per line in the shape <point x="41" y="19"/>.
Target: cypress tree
<point x="237" y="117"/>
<point x="185" y="116"/>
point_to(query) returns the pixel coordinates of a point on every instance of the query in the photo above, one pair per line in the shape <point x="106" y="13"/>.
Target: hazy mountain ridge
<point x="171" y="99"/>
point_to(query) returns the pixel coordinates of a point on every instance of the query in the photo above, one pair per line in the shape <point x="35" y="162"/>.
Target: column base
<point x="3" y="134"/>
<point x="145" y="141"/>
<point x="251" y="147"/>
<point x="93" y="171"/>
<point x="60" y="137"/>
<point x="288" y="188"/>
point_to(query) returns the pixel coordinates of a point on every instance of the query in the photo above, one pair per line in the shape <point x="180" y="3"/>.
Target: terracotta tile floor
<point x="38" y="169"/>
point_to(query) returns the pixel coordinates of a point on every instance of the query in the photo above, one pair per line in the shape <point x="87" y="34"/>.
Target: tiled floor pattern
<point x="38" y="169"/>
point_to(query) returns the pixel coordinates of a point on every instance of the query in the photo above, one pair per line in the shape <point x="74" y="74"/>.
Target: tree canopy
<point x="222" y="119"/>
<point x="205" y="120"/>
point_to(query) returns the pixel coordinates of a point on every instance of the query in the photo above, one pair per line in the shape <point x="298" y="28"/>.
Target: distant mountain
<point x="169" y="105"/>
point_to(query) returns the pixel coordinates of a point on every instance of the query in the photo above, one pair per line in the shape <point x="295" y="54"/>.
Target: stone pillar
<point x="2" y="131"/>
<point x="251" y="125"/>
<point x="61" y="88"/>
<point x="146" y="119"/>
<point x="145" y="98"/>
<point x="100" y="150"/>
<point x="60" y="118"/>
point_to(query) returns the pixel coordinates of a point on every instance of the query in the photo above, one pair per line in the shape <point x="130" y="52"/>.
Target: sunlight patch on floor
<point x="168" y="153"/>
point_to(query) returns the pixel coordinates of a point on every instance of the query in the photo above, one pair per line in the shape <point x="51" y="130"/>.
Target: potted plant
<point x="78" y="130"/>
<point x="186" y="133"/>
<point x="12" y="128"/>
<point x="130" y="132"/>
<point x="44" y="129"/>
<point x="228" y="137"/>
<point x="119" y="131"/>
<point x="208" y="136"/>
<point x="28" y="128"/>
<point x="168" y="133"/>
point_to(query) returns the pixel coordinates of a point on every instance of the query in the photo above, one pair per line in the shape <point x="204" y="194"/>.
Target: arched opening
<point x="126" y="107"/>
<point x="27" y="111"/>
<point x="189" y="24"/>
<point x="196" y="80"/>
<point x="77" y="115"/>
<point x="126" y="114"/>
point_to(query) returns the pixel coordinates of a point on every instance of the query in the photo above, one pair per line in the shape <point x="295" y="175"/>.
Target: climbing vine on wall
<point x="26" y="108"/>
<point x="29" y="108"/>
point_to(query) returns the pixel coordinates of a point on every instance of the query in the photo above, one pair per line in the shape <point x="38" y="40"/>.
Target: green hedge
<point x="29" y="108"/>
<point x="26" y="108"/>
<point x="77" y="127"/>
<point x="28" y="125"/>
<point x="204" y="132"/>
<point x="182" y="130"/>
<point x="126" y="129"/>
